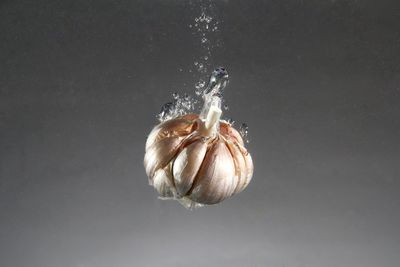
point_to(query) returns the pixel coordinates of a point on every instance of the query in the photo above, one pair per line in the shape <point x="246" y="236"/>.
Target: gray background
<point x="317" y="81"/>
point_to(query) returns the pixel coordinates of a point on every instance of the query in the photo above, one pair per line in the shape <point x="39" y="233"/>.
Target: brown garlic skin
<point x="185" y="162"/>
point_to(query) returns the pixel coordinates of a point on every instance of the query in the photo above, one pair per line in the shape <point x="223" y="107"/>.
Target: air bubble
<point x="200" y="84"/>
<point x="244" y="132"/>
<point x="200" y="66"/>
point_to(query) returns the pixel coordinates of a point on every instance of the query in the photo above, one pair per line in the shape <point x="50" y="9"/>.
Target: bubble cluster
<point x="203" y="18"/>
<point x="199" y="87"/>
<point x="205" y="29"/>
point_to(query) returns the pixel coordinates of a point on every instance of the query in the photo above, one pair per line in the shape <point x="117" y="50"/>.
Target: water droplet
<point x="175" y="95"/>
<point x="226" y="107"/>
<point x="196" y="63"/>
<point x="205" y="57"/>
<point x="166" y="111"/>
<point x="204" y="40"/>
<point x="200" y="66"/>
<point x="218" y="81"/>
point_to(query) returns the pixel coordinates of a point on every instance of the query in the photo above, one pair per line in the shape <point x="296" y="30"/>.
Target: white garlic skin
<point x="185" y="162"/>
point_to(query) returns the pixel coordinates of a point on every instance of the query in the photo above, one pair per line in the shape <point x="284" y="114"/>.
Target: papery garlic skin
<point x="196" y="161"/>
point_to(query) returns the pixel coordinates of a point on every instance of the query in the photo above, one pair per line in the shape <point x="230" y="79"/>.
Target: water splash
<point x="218" y="80"/>
<point x="212" y="95"/>
<point x="181" y="105"/>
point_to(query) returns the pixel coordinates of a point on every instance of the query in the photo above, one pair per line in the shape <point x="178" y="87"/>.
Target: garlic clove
<point x="187" y="165"/>
<point x="249" y="168"/>
<point x="160" y="153"/>
<point x="230" y="133"/>
<point x="215" y="180"/>
<point x="162" y="182"/>
<point x="240" y="166"/>
<point x="174" y="127"/>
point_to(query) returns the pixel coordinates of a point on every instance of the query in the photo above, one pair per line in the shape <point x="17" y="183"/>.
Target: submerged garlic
<point x="198" y="159"/>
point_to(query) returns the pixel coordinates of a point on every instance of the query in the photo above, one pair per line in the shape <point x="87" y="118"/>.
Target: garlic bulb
<point x="197" y="160"/>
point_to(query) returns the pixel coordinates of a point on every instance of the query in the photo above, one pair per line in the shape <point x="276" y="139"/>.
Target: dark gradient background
<point x="318" y="82"/>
